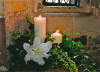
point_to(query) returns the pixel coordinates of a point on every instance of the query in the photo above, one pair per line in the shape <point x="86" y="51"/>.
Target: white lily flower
<point x="37" y="51"/>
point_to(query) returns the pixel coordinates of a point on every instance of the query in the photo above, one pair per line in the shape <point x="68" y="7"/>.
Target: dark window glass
<point x="61" y="2"/>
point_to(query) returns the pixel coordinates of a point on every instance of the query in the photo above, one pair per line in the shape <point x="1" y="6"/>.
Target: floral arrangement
<point x="29" y="52"/>
<point x="37" y="51"/>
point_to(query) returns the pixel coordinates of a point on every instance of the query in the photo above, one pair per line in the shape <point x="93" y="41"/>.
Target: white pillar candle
<point x="57" y="37"/>
<point x="40" y="27"/>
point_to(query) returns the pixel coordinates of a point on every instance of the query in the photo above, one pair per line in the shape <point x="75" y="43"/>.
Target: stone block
<point x="3" y="50"/>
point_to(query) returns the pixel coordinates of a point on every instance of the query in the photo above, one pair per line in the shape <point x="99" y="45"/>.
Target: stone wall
<point x="1" y="8"/>
<point x="15" y="21"/>
<point x="3" y="50"/>
<point x="69" y="23"/>
<point x="15" y="13"/>
<point x="84" y="19"/>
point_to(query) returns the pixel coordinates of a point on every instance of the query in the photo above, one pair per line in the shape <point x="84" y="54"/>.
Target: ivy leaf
<point x="79" y="44"/>
<point x="85" y="56"/>
<point x="93" y="71"/>
<point x="65" y="33"/>
<point x="94" y="64"/>
<point x="77" y="33"/>
<point x="27" y="19"/>
<point x="76" y="56"/>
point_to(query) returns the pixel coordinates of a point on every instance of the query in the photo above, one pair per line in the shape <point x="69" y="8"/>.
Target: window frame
<point x="77" y="4"/>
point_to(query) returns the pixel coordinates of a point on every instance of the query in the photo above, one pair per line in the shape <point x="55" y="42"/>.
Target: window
<point x="61" y="2"/>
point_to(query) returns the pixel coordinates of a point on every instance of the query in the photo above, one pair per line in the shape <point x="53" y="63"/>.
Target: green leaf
<point x="93" y="71"/>
<point x="79" y="44"/>
<point x="27" y="19"/>
<point x="94" y="64"/>
<point x="65" y="33"/>
<point x="77" y="33"/>
<point x="76" y="56"/>
<point x="85" y="56"/>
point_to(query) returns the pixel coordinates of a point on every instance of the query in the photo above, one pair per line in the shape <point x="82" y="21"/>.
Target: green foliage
<point x="48" y="37"/>
<point x="63" y="58"/>
<point x="69" y="53"/>
<point x="58" y="56"/>
<point x="76" y="52"/>
<point x="17" y="53"/>
<point x="73" y="48"/>
<point x="77" y="33"/>
<point x="31" y="30"/>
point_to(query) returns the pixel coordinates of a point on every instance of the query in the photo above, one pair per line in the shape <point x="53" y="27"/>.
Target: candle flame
<point x="40" y="17"/>
<point x="57" y="31"/>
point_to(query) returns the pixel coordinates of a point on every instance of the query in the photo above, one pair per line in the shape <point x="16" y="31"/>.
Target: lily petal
<point x="46" y="55"/>
<point x="26" y="46"/>
<point x="38" y="59"/>
<point x="37" y="51"/>
<point x="41" y="62"/>
<point x="27" y="58"/>
<point x="45" y="47"/>
<point x="36" y="42"/>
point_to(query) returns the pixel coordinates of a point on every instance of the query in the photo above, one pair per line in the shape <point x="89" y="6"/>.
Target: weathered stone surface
<point x="15" y="21"/>
<point x="3" y="50"/>
<point x="1" y="7"/>
<point x="11" y="6"/>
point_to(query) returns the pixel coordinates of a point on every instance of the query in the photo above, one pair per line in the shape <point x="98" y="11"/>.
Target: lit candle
<point x="40" y="27"/>
<point x="57" y="37"/>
